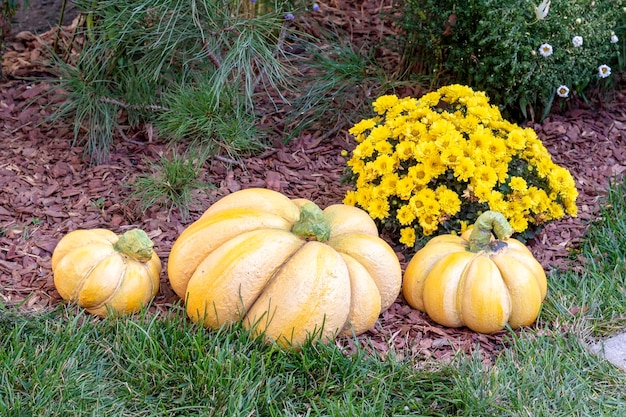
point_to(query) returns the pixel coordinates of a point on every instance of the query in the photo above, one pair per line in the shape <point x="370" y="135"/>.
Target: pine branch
<point x="119" y="103"/>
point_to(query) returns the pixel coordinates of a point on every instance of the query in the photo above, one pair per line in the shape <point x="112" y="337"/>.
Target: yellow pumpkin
<point x="284" y="267"/>
<point x="101" y="271"/>
<point x="475" y="280"/>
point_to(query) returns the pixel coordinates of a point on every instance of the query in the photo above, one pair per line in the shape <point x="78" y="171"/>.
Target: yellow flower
<point x="417" y="200"/>
<point x="441" y="128"/>
<point x="518" y="184"/>
<point x="519" y="223"/>
<point x="480" y="112"/>
<point x="561" y="180"/>
<point x="539" y="198"/>
<point x="430" y="99"/>
<point x="479" y="139"/>
<point x="407" y="236"/>
<point x="364" y="196"/>
<point x="483" y="192"/>
<point x="464" y="169"/>
<point x="357" y="165"/>
<point x="418" y="174"/>
<point x="516" y="139"/>
<point x="429" y="224"/>
<point x="390" y="182"/>
<point x="450" y="140"/>
<point x="426" y="150"/>
<point x="556" y="210"/>
<point x="456" y="92"/>
<point x="380" y="192"/>
<point x="405" y="215"/>
<point x="384" y="103"/>
<point x="496" y="147"/>
<point x="452" y="156"/>
<point x="378" y="209"/>
<point x="405" y="150"/>
<point x="497" y="202"/>
<point x="525" y="202"/>
<point x="394" y="113"/>
<point x="570" y="207"/>
<point x="400" y="129"/>
<point x="417" y="152"/>
<point x="405" y="188"/>
<point x="421" y="197"/>
<point x="383" y="147"/>
<point x="466" y="124"/>
<point x="379" y="133"/>
<point x="370" y="173"/>
<point x="448" y="200"/>
<point x="362" y="126"/>
<point x="431" y="206"/>
<point x="500" y="167"/>
<point x="543" y="166"/>
<point x="363" y="150"/>
<point x="350" y="198"/>
<point x="408" y="104"/>
<point x="484" y="176"/>
<point x="434" y="166"/>
<point x="384" y="164"/>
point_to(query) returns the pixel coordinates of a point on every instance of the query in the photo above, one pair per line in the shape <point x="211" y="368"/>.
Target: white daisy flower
<point x="604" y="71"/>
<point x="577" y="41"/>
<point x="545" y="49"/>
<point x="562" y="91"/>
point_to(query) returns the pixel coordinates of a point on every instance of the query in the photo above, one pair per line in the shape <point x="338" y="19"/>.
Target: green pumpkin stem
<point x="312" y="225"/>
<point x="136" y="244"/>
<point x="486" y="223"/>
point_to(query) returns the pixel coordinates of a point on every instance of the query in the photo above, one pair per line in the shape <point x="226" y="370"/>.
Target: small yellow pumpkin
<point x="475" y="280"/>
<point x="101" y="271"/>
<point x="284" y="267"/>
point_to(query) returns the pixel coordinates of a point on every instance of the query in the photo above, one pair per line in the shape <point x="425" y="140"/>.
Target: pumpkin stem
<point x="486" y="223"/>
<point x="135" y="244"/>
<point x="311" y="225"/>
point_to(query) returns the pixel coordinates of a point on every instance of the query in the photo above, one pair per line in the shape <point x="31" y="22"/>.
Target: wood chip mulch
<point x="48" y="190"/>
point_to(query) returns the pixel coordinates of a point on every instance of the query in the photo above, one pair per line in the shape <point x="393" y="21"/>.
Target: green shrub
<point x="495" y="46"/>
<point x="150" y="59"/>
<point x="171" y="183"/>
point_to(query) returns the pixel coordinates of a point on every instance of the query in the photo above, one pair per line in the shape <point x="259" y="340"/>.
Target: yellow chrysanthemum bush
<point x="432" y="165"/>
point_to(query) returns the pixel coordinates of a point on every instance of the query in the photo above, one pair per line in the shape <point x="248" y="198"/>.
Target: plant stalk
<point x="312" y="224"/>
<point x="486" y="223"/>
<point x="135" y="244"/>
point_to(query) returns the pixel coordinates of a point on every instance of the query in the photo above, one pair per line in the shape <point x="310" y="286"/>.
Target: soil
<point x="49" y="189"/>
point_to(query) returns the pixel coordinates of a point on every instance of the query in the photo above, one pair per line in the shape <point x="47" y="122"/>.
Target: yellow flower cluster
<point x="434" y="164"/>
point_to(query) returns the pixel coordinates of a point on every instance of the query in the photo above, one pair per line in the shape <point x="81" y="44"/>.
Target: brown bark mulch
<point x="48" y="190"/>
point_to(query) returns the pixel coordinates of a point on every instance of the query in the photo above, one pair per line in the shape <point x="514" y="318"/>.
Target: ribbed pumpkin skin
<point x="89" y="271"/>
<point x="483" y="291"/>
<point x="241" y="261"/>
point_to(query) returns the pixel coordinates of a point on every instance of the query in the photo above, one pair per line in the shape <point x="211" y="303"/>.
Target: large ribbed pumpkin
<point x="101" y="271"/>
<point x="475" y="280"/>
<point x="284" y="267"/>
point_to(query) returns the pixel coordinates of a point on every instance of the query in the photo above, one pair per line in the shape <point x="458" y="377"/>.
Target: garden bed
<point x="49" y="190"/>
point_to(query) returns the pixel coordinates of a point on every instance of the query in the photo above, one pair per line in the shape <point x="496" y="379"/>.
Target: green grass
<point x="594" y="300"/>
<point x="62" y="364"/>
<point x="171" y="183"/>
<point x="66" y="363"/>
<point x="541" y="375"/>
